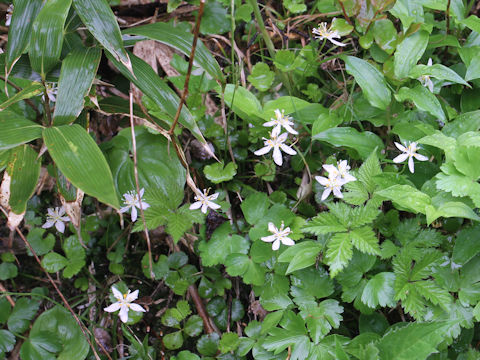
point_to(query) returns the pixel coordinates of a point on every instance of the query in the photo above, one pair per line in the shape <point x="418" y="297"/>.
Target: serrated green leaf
<point x="379" y="290"/>
<point x="369" y="169"/>
<point x="339" y="252"/>
<point x="324" y="223"/>
<point x="24" y="311"/>
<point x="365" y="240"/>
<point x="322" y="318"/>
<point x="53" y="262"/>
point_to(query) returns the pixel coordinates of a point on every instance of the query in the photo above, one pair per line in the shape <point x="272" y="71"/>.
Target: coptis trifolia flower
<point x="124" y="303"/>
<point x="55" y="217"/>
<point x="276" y="143"/>
<point x="279" y="236"/>
<point x="342" y="171"/>
<point x="324" y="32"/>
<point x="331" y="184"/>
<point x="131" y="202"/>
<point x="8" y="16"/>
<point x="425" y="79"/>
<point x="281" y="120"/>
<point x="51" y="90"/>
<point x="409" y="153"/>
<point x="447" y="261"/>
<point x="205" y="201"/>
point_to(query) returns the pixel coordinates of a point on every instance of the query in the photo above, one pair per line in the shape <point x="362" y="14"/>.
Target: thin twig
<point x="345" y="13"/>
<point x="448" y="16"/>
<point x="9" y="298"/>
<point x="135" y="170"/>
<point x="190" y="67"/>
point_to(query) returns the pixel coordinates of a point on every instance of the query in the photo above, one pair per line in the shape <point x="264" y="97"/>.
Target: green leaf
<point x="215" y="19"/>
<point x="25" y="310"/>
<point x="148" y="81"/>
<point x="407" y="197"/>
<point x="160" y="268"/>
<point x="178" y="222"/>
<point x="173" y="341"/>
<point x="385" y="35"/>
<point x="7" y="341"/>
<point x="369" y="169"/>
<point x="38" y="243"/>
<point x="208" y="344"/>
<point x="439" y="140"/>
<point x="362" y="142"/>
<point x="102" y="23"/>
<point x="254" y="207"/>
<point x="459" y="185"/>
<point x="242" y="265"/>
<point x="365" y="240"/>
<point x="300" y="255"/>
<point x="324" y="223"/>
<point x="24" y="170"/>
<point x="423" y="99"/>
<point x="322" y="318"/>
<point x="20" y="30"/>
<point x="47" y="36"/>
<point x="242" y="102"/>
<point x="371" y="81"/>
<point x="53" y="262"/>
<point x="177" y="38"/>
<point x="194" y="326"/>
<point x="408" y="11"/>
<point x="218" y="173"/>
<point x="16" y="130"/>
<point x="466" y="158"/>
<point x="76" y="76"/>
<point x="450" y="209"/>
<point x="78" y="157"/>
<point x="466" y="247"/>
<point x="8" y="271"/>
<point x="284" y="60"/>
<point x="379" y="290"/>
<point x="409" y="51"/>
<point x="414" y="341"/>
<point x="55" y="335"/>
<point x="472" y="22"/>
<point x="438" y="71"/>
<point x="261" y="77"/>
<point x="31" y="90"/>
<point x="229" y="342"/>
<point x="339" y="252"/>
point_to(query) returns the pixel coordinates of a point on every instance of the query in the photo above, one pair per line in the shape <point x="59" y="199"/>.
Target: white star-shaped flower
<point x="279" y="236"/>
<point x="331" y="184"/>
<point x="124" y="304"/>
<point x="55" y="217"/>
<point x="205" y="201"/>
<point x="276" y="143"/>
<point x="324" y="32"/>
<point x="447" y="261"/>
<point x="281" y="120"/>
<point x="8" y="16"/>
<point x="409" y="153"/>
<point x="342" y="171"/>
<point x="51" y="90"/>
<point x="425" y="79"/>
<point x="130" y="199"/>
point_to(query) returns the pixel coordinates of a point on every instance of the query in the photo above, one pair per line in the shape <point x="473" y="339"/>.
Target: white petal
<point x="400" y="158"/>
<point x="132" y="296"/>
<point x="123" y="314"/>
<point x="269" y="123"/>
<point x="145" y="205"/>
<point x="212" y="205"/>
<point x="322" y="180"/>
<point x="65" y="218"/>
<point x="136" y="307"/>
<point x="400" y="147"/>
<point x="287" y="149"/>
<point x="349" y="178"/>
<point x="336" y="42"/>
<point x="290" y="129"/>
<point x="272" y="228"/>
<point x="429" y="84"/>
<point x="117" y="293"/>
<point x="276" y="130"/>
<point x="337" y="193"/>
<point x="269" y="238"/>
<point x="282" y="137"/>
<point x="420" y="157"/>
<point x="263" y="150"/>
<point x="411" y="165"/>
<point x="276" y="245"/>
<point x="204" y="208"/>
<point x="213" y="196"/>
<point x="124" y="209"/>
<point x="142" y="191"/>
<point x="287" y="241"/>
<point x="429" y="63"/>
<point x="60" y="226"/>
<point x="134" y="214"/>
<point x="50" y="212"/>
<point x="61" y="211"/>
<point x="277" y="156"/>
<point x="48" y="224"/>
<point x="332" y="170"/>
<point x="326" y="192"/>
<point x="196" y="205"/>
<point x="112" y="308"/>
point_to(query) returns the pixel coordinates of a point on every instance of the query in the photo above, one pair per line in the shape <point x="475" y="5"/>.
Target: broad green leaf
<point x="379" y="290"/>
<point x="178" y="39"/>
<point x="303" y="258"/>
<point x="218" y="173"/>
<point x="409" y="51"/>
<point x="407" y="197"/>
<point x="254" y="207"/>
<point x="31" y="90"/>
<point x="78" y="71"/>
<point x="414" y="341"/>
<point x="20" y="30"/>
<point x="242" y="102"/>
<point x="242" y="265"/>
<point x="362" y="142"/>
<point x="55" y="335"/>
<point x="290" y="104"/>
<point x="459" y="185"/>
<point x="339" y="252"/>
<point x="466" y="161"/>
<point x="466" y="247"/>
<point x="261" y="77"/>
<point x="408" y="11"/>
<point x="439" y="140"/>
<point x="371" y="81"/>
<point x="78" y="157"/>
<point x="24" y="311"/>
<point x="438" y="71"/>
<point x="423" y="99"/>
<point x="463" y="123"/>
<point x="53" y="262"/>
<point x="147" y="80"/>
<point x="472" y="22"/>
<point x="173" y="340"/>
<point x="385" y="35"/>
<point x="47" y="36"/>
<point x="102" y="23"/>
<point x="450" y="209"/>
<point x="16" y="130"/>
<point x="24" y="170"/>
<point x="7" y="341"/>
<point x="472" y="62"/>
<point x="8" y="271"/>
<point x="39" y="244"/>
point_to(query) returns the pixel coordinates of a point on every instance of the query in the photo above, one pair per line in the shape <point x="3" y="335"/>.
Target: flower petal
<point x="411" y="165"/>
<point x="60" y="226"/>
<point x="326" y="192"/>
<point x="277" y="156"/>
<point x="123" y="314"/>
<point x="134" y="214"/>
<point x="204" y="208"/>
<point x="124" y="209"/>
<point x="287" y="241"/>
<point x="117" y="293"/>
<point x="48" y="224"/>
<point x="420" y="157"/>
<point x="337" y="193"/>
<point x="332" y="170"/>
<point x="322" y="180"/>
<point x="276" y="245"/>
<point x="112" y="308"/>
<point x="287" y="149"/>
<point x="270" y="123"/>
<point x="270" y="238"/>
<point x="212" y="205"/>
<point x="290" y="129"/>
<point x="272" y="228"/>
<point x="196" y="205"/>
<point x="136" y="307"/>
<point x="132" y="296"/>
<point x="400" y="158"/>
<point x="263" y="150"/>
<point x="349" y="178"/>
<point x="400" y="147"/>
<point x="336" y="42"/>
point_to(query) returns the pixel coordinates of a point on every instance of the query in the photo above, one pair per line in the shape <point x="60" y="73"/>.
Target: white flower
<point x="409" y="153"/>
<point x="51" y="90"/>
<point x="331" y="184"/>
<point x="8" y="16"/>
<point x="279" y="236"/>
<point x="342" y="171"/>
<point x="425" y="79"/>
<point x="55" y="217"/>
<point x="324" y="32"/>
<point x="276" y="143"/>
<point x="205" y="201"/>
<point x="447" y="261"/>
<point x="124" y="303"/>
<point x="131" y="202"/>
<point x="280" y="121"/>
